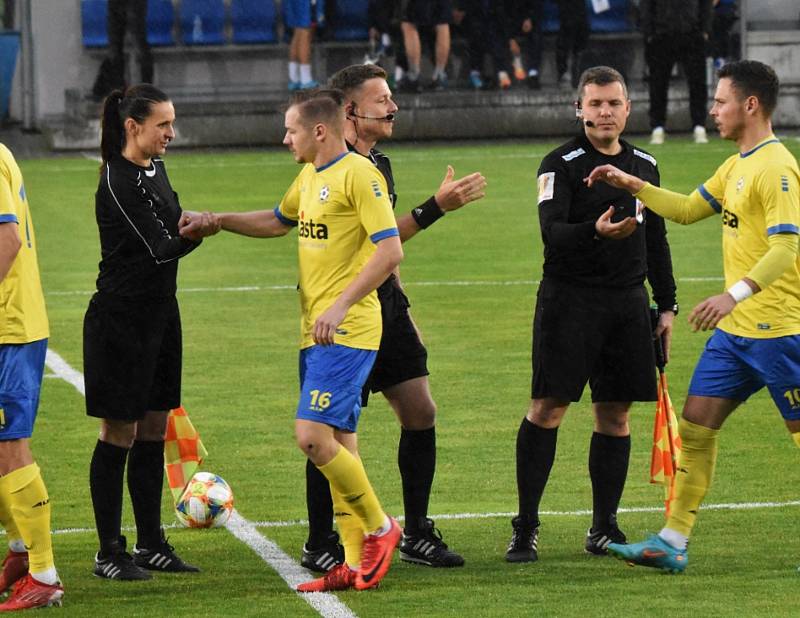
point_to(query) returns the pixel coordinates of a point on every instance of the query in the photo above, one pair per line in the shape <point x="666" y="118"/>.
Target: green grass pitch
<point x="471" y="280"/>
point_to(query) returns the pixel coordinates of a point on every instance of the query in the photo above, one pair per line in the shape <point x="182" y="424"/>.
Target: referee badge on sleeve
<point x="547" y="182"/>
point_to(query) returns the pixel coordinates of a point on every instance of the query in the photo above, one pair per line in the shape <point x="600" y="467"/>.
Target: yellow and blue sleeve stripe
<point x="783" y="228"/>
<point x="9" y="218"/>
<point x="387" y="233"/>
<point x="284" y="219"/>
<point x="712" y="201"/>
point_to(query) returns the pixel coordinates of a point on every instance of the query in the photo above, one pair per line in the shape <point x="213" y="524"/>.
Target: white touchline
<point x="290" y="523"/>
<point x="293" y="287"/>
<point x="326" y="604"/>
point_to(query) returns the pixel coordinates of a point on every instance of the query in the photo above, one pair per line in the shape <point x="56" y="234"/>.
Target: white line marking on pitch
<point x="293" y="287"/>
<point x="328" y="605"/>
<point x="290" y="523"/>
<point x="731" y="506"/>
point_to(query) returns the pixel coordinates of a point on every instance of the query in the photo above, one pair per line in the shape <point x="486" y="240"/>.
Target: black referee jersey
<point x="384" y="165"/>
<point x="137" y="215"/>
<point x="568" y="210"/>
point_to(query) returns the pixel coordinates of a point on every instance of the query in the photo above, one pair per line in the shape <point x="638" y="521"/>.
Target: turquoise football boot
<point x="654" y="552"/>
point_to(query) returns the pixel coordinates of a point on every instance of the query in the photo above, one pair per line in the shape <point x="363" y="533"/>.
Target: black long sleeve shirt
<point x="137" y="216"/>
<point x="568" y="210"/>
<point x="665" y="17"/>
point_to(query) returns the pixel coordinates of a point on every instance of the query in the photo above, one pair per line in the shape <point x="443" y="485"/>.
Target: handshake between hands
<point x="197" y="225"/>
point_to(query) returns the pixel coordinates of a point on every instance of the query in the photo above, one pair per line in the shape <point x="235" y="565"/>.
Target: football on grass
<point x="207" y="502"/>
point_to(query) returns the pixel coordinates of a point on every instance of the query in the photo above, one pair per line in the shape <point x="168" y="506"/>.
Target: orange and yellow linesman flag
<point x="666" y="443"/>
<point x="183" y="451"/>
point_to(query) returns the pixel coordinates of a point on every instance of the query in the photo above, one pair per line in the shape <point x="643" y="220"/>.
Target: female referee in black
<point x="132" y="330"/>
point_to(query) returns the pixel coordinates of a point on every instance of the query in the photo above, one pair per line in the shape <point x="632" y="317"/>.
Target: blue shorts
<point x="21" y="370"/>
<point x="733" y="367"/>
<point x="298" y="13"/>
<point x="331" y="379"/>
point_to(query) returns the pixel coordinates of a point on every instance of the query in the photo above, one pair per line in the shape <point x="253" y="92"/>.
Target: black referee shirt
<point x="568" y="210"/>
<point x="137" y="215"/>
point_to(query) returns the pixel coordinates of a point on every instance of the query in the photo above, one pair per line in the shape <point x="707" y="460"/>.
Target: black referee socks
<point x="416" y="458"/>
<point x="145" y="480"/>
<point x="320" y="507"/>
<point x="106" y="473"/>
<point x="536" y="451"/>
<point x="608" y="469"/>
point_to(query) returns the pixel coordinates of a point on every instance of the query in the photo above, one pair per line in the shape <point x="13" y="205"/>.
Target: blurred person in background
<point x="524" y="26"/>
<point x="724" y="44"/>
<point x="124" y="15"/>
<point x="676" y="31"/>
<point x="426" y="15"/>
<point x="571" y="40"/>
<point x="301" y="16"/>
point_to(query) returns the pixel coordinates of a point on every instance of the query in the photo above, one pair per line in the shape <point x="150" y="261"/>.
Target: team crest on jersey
<point x="547" y="183"/>
<point x="740" y="185"/>
<point x="324" y="193"/>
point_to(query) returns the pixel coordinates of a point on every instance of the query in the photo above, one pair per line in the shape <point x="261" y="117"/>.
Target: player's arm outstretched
<point x="388" y="255"/>
<point x="257" y="224"/>
<point x="452" y="195"/>
<point x="676" y="207"/>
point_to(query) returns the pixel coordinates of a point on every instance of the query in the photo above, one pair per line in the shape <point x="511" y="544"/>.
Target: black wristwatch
<point x="674" y="309"/>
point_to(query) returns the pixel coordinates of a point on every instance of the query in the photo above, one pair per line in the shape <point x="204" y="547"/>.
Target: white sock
<point x="50" y="576"/>
<point x="305" y="73"/>
<point x="533" y="73"/>
<point x="676" y="539"/>
<point x="17" y="545"/>
<point x="294" y="71"/>
<point x="384" y="529"/>
<point x="517" y="62"/>
<point x="398" y="74"/>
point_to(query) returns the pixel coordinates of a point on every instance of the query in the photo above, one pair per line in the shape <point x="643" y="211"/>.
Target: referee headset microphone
<point x="351" y="111"/>
<point x="579" y="115"/>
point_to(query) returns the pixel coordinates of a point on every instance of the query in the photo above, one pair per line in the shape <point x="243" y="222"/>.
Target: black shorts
<point x="401" y="355"/>
<point x="598" y="335"/>
<point x="131" y="357"/>
<point x="426" y="13"/>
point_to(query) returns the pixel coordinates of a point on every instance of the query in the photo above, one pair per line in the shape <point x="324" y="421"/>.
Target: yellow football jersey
<point x="758" y="194"/>
<point x="23" y="317"/>
<point x="341" y="210"/>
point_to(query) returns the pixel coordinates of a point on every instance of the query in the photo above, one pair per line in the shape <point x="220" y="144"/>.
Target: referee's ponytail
<point x="135" y="102"/>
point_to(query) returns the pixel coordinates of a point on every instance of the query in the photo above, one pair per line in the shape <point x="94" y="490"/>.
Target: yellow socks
<point x="695" y="472"/>
<point x="24" y="493"/>
<point x="9" y="525"/>
<point x="347" y="476"/>
<point x="350" y="527"/>
<point x="796" y="438"/>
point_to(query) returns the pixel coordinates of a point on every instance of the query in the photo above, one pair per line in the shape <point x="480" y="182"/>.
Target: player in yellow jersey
<point x="348" y="245"/>
<point x="756" y="341"/>
<point x="24" y="502"/>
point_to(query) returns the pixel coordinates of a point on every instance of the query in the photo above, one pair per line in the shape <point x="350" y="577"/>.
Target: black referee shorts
<point x="426" y="12"/>
<point x="598" y="335"/>
<point x="401" y="355"/>
<point x="131" y="357"/>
